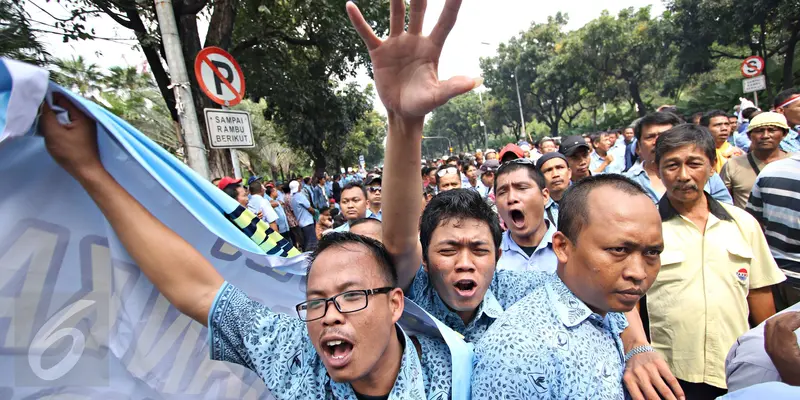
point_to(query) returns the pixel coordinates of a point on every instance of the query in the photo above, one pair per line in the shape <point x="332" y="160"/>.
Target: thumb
<point x="456" y="86"/>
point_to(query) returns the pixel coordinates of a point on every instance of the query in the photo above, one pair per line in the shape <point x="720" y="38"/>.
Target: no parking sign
<point x="219" y="76"/>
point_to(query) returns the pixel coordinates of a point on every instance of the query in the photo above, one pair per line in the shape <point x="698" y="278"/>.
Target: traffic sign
<point x="219" y="76"/>
<point x="228" y="129"/>
<point x="754" y="84"/>
<point x="752" y="66"/>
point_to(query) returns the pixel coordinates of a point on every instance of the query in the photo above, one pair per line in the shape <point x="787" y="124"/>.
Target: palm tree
<point x="126" y="79"/>
<point x="78" y="76"/>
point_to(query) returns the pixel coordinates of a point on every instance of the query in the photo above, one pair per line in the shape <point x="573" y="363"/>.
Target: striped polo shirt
<point x="775" y="202"/>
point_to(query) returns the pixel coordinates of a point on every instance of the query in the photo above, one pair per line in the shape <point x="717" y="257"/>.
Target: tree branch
<point x="117" y="18"/>
<point x="721" y="54"/>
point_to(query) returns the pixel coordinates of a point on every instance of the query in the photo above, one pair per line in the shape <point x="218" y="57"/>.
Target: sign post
<point x="752" y="68"/>
<point x="222" y="80"/>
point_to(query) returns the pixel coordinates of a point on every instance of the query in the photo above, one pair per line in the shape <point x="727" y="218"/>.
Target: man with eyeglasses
<point x="350" y="345"/>
<point x="447" y="258"/>
<point x="766" y="131"/>
<point x="374" y="197"/>
<point x="448" y="178"/>
<point x="354" y="204"/>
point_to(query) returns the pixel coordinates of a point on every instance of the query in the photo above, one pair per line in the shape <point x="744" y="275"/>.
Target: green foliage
<point x="458" y="120"/>
<point x="367" y="140"/>
<point x="17" y="39"/>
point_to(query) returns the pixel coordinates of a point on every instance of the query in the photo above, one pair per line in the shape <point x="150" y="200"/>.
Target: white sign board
<point x="751" y="85"/>
<point x="228" y="129"/>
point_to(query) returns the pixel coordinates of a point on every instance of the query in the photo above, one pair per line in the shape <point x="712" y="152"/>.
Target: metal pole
<point x="519" y="99"/>
<point x="184" y="102"/>
<point x="449" y="145"/>
<point x="755" y="95"/>
<point x="485" y="132"/>
<point x="237" y="169"/>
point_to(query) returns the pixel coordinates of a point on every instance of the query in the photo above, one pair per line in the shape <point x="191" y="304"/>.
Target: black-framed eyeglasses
<point x="374" y="189"/>
<point x="447" y="171"/>
<point x="346" y="302"/>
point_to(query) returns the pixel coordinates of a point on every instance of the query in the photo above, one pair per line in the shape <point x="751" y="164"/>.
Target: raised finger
<point x="671" y="380"/>
<point x="397" y="17"/>
<point x="446" y="21"/>
<point x="362" y="27"/>
<point x="416" y="16"/>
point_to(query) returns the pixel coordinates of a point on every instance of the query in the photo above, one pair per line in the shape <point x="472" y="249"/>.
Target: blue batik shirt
<point x="550" y="345"/>
<point x="791" y="143"/>
<point x="277" y="348"/>
<point x="506" y="288"/>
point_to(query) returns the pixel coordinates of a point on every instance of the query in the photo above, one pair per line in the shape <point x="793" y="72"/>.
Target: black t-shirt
<point x="360" y="396"/>
<point x="337" y="192"/>
<point x="528" y="250"/>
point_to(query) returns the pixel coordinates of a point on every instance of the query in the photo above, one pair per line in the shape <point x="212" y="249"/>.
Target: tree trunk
<point x="554" y="130"/>
<point x="788" y="60"/>
<point x="633" y="86"/>
<point x="221" y="25"/>
<point x="219" y="161"/>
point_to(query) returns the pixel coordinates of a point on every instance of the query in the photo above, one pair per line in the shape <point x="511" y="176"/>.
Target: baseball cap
<point x="489" y="151"/>
<point x="549" y="156"/>
<point x="511" y="148"/>
<point x="768" y="119"/>
<point x="374" y="179"/>
<point x="253" y="179"/>
<point x="571" y="144"/>
<point x="225" y="181"/>
<point x="490" y="166"/>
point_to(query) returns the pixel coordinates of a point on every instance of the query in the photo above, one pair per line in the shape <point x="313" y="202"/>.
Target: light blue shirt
<point x="543" y="258"/>
<point x="343" y="228"/>
<point x="378" y="216"/>
<point x="277" y="348"/>
<point x="769" y="390"/>
<point x="283" y="223"/>
<point x="714" y="186"/>
<point x="740" y="140"/>
<point x="300" y="206"/>
<point x="506" y="288"/>
<point x="616" y="166"/>
<point x="482" y="189"/>
<point x="791" y="143"/>
<point x="551" y="211"/>
<point x="550" y="345"/>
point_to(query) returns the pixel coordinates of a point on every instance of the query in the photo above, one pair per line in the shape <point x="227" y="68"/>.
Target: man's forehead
<point x="553" y="163"/>
<point x="348" y="263"/>
<point x="658" y="129"/>
<point x="689" y="151"/>
<point x="462" y="228"/>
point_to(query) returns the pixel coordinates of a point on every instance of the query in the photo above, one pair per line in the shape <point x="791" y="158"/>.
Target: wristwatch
<point x="638" y="350"/>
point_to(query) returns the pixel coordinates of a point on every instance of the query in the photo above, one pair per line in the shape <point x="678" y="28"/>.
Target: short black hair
<point x="785" y="95"/>
<point x="376" y="250"/>
<point x="597" y="137"/>
<point x="286" y="188"/>
<point x="749" y="113"/>
<point x="706" y="120"/>
<point x="324" y="210"/>
<point x="231" y="190"/>
<point x="466" y="164"/>
<point x="255" y="187"/>
<point x="457" y="204"/>
<point x="574" y="208"/>
<point x="510" y="167"/>
<point x="685" y="135"/>
<point x="452" y="158"/>
<point x="356" y="184"/>
<point x="656" y="118"/>
<point x="307" y="180"/>
<point x="268" y="190"/>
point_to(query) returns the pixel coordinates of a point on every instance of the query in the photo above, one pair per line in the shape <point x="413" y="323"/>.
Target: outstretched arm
<point x="405" y="66"/>
<point x="179" y="271"/>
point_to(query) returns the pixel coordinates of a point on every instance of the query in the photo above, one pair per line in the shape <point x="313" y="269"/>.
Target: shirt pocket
<point x="671" y="261"/>
<point x="740" y="258"/>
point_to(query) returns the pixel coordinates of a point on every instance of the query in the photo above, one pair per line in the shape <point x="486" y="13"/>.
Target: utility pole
<point x="184" y="102"/>
<point x="519" y="100"/>
<point x="485" y="132"/>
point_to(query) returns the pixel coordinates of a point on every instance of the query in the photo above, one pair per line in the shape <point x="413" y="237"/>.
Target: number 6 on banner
<point x="47" y="336"/>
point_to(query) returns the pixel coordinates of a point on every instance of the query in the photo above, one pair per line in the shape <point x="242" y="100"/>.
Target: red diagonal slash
<point x="222" y="78"/>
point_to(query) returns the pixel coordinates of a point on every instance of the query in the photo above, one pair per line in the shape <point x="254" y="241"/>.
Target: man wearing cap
<point x="645" y="170"/>
<point x="557" y="176"/>
<point x="787" y="103"/>
<point x="766" y="131"/>
<point x="577" y="152"/>
<point x="374" y="197"/>
<point x="510" y="152"/>
<point x="486" y="183"/>
<point x="490" y="154"/>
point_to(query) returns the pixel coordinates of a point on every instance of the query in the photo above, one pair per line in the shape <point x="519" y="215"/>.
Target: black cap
<point x="549" y="156"/>
<point x="570" y="144"/>
<point x="374" y="179"/>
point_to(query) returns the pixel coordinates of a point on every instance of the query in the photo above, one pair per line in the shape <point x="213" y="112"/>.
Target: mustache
<point x="688" y="186"/>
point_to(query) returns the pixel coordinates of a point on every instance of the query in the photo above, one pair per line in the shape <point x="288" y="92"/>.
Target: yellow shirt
<point x="698" y="303"/>
<point x="724" y="153"/>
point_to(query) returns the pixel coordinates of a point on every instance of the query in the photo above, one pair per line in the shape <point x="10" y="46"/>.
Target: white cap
<point x="294" y="187"/>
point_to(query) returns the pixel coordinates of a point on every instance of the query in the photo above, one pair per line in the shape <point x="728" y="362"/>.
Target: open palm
<point x="406" y="63"/>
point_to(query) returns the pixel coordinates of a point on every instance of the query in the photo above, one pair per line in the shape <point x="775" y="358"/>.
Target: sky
<point x="479" y="22"/>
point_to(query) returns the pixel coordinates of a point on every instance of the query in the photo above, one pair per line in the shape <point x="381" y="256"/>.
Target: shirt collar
<point x="637" y="169"/>
<point x="667" y="211"/>
<point x="489" y="307"/>
<point x="508" y="243"/>
<point x="409" y="383"/>
<point x="569" y="309"/>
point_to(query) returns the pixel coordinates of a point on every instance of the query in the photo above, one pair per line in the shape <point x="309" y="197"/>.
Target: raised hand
<point x="74" y="145"/>
<point x="406" y="64"/>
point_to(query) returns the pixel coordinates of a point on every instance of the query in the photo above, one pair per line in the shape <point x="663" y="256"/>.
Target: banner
<point x="78" y="319"/>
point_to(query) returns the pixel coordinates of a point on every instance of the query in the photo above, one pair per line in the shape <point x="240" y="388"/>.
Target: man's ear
<point x="397" y="303"/>
<point x="562" y="247"/>
<point x="546" y="194"/>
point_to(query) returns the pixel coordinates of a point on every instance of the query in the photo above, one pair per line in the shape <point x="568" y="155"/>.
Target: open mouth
<point x="337" y="352"/>
<point x="466" y="287"/>
<point x="517" y="218"/>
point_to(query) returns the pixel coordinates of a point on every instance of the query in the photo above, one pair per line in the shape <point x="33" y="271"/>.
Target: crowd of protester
<point x="656" y="261"/>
